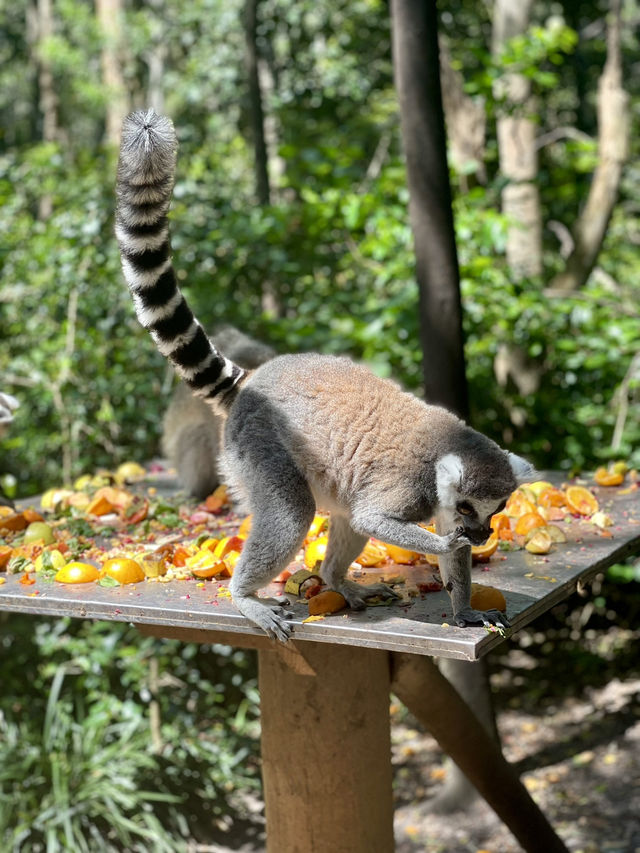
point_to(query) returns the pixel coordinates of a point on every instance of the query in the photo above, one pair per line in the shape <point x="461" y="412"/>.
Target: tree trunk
<point x="417" y="79"/>
<point x="613" y="146"/>
<point x="256" y="111"/>
<point x="48" y="100"/>
<point x="269" y="297"/>
<point x="109" y="14"/>
<point x="517" y="148"/>
<point x="466" y="122"/>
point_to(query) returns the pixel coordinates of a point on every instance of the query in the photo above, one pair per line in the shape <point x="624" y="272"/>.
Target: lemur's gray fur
<point x="310" y="430"/>
<point x="191" y="431"/>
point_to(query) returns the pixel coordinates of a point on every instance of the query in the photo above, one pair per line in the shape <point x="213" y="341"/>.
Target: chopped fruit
<point x="620" y="467"/>
<point x="129" y="472"/>
<point x="15" y="521"/>
<point x="80" y="500"/>
<point x="372" y="555"/>
<point x="400" y="555"/>
<point x="580" y="501"/>
<point x="124" y="570"/>
<point x="245" y="527"/>
<point x="6" y="510"/>
<point x="38" y="531"/>
<point x="77" y="573"/>
<point x="604" y="477"/>
<point x="538" y="487"/>
<point x="555" y="533"/>
<point x="52" y="497"/>
<point x="552" y="497"/>
<point x="528" y="522"/>
<point x="119" y="499"/>
<point x="487" y="598"/>
<point x="180" y="556"/>
<point x="518" y="504"/>
<point x="601" y="519"/>
<point x="209" y="544"/>
<point x="539" y="543"/>
<point x="5" y="555"/>
<point x="318" y="524"/>
<point x="228" y="543"/>
<point x="299" y="579"/>
<point x="100" y="506"/>
<point x="154" y="566"/>
<point x="230" y="560"/>
<point x="328" y="601"/>
<point x="219" y="567"/>
<point x="315" y="552"/>
<point x="283" y="577"/>
<point x="481" y="553"/>
<point x="217" y="499"/>
<point x="31" y="515"/>
<point x="500" y="521"/>
<point x="53" y="559"/>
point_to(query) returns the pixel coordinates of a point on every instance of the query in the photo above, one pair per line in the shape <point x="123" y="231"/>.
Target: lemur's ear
<point x="449" y="470"/>
<point x="523" y="471"/>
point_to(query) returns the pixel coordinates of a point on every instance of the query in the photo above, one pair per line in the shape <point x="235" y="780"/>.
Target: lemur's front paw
<point x="468" y="617"/>
<point x="456" y="539"/>
<point x="356" y="594"/>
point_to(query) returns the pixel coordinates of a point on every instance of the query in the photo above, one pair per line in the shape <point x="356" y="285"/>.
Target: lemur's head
<point x="474" y="480"/>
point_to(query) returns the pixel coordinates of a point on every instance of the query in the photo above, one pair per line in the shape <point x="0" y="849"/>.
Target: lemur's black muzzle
<point x="477" y="535"/>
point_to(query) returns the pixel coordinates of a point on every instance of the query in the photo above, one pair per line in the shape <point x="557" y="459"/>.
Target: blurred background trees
<point x="291" y="210"/>
<point x="291" y="221"/>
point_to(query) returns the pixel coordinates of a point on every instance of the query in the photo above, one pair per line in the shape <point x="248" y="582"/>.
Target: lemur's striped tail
<point x="146" y="170"/>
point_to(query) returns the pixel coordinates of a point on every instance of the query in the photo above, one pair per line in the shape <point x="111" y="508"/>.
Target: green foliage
<point x="79" y="768"/>
<point x="334" y="247"/>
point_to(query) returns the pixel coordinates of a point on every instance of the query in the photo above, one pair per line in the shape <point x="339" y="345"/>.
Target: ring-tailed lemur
<point x="307" y="430"/>
<point x="191" y="431"/>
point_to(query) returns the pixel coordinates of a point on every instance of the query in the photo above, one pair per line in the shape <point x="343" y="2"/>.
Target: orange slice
<point x="518" y="504"/>
<point x="529" y="521"/>
<point x="77" y="573"/>
<point x="481" y="553"/>
<point x="580" y="501"/>
<point x="487" y="598"/>
<point x="604" y="477"/>
<point x="124" y="570"/>
<point x="400" y="555"/>
<point x="552" y="497"/>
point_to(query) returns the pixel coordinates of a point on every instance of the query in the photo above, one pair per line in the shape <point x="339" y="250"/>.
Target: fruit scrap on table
<point x="127" y="535"/>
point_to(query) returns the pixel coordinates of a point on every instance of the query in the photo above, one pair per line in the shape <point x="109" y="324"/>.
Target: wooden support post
<point x="326" y="749"/>
<point x="426" y="692"/>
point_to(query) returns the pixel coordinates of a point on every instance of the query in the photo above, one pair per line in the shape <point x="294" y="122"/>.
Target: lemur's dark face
<point x="475" y="516"/>
<point x="458" y="508"/>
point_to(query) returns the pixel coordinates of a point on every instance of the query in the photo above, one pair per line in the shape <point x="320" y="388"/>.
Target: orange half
<point x="581" y="501"/>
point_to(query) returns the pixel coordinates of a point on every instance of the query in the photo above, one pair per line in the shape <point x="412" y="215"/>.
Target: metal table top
<point x="531" y="585"/>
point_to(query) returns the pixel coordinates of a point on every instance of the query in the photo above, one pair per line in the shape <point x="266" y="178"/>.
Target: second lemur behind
<point x="192" y="432"/>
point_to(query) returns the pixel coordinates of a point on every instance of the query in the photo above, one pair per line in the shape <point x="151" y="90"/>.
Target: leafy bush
<point x="82" y="766"/>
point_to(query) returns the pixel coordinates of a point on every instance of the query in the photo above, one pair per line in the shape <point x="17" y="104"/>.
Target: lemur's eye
<point x="465" y="508"/>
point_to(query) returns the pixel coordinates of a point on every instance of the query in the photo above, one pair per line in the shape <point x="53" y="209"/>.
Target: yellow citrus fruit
<point x="54" y="557"/>
<point x="124" y="570"/>
<point x="528" y="522"/>
<point x="487" y="598"/>
<point x="372" y="555"/>
<point x="481" y="553"/>
<point x="518" y="504"/>
<point x="540" y="542"/>
<point x="315" y="552"/>
<point x="400" y="555"/>
<point x="76" y="572"/>
<point x="604" y="477"/>
<point x="581" y="501"/>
